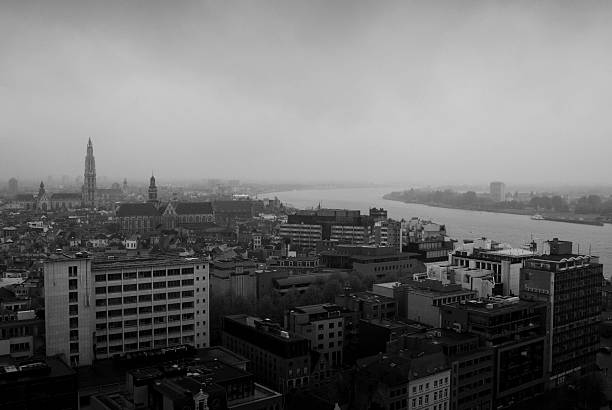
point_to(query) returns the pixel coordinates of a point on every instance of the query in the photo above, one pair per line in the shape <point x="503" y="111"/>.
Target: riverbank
<point x="565" y="217"/>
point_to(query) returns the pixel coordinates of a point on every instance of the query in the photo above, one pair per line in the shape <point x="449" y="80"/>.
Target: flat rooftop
<point x="568" y="257"/>
<point x="318" y="309"/>
<point x="496" y="305"/>
<point x="383" y="258"/>
<point x="368" y="296"/>
<point x="513" y="252"/>
<point x="259" y="325"/>
<point x="33" y="370"/>
<point x="141" y="262"/>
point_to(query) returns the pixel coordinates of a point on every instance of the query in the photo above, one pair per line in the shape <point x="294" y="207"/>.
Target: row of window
<point x="331" y="335"/>
<point x="436" y="383"/>
<point x="101" y="351"/>
<point x="101" y="290"/>
<point x="320" y="346"/>
<point x="146" y="321"/>
<point x="142" y="310"/>
<point x="102" y="277"/>
<point x="144" y="333"/>
<point x="143" y="298"/>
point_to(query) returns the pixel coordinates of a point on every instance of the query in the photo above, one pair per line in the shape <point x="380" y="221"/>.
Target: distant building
<point x="151" y="215"/>
<point x="227" y="212"/>
<point x="102" y="309"/>
<point x="571" y="286"/>
<point x="427" y="239"/>
<point x="65" y="200"/>
<point x="302" y="235"/>
<point x="497" y="190"/>
<point x="13" y="187"/>
<point x="305" y="228"/>
<point x="137" y="217"/>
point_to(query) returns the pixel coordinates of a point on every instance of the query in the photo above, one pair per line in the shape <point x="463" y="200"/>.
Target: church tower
<point x="89" y="185"/>
<point x="152" y="190"/>
<point x="41" y="190"/>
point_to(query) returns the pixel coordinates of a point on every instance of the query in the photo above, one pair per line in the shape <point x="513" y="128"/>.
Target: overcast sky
<point x="431" y="92"/>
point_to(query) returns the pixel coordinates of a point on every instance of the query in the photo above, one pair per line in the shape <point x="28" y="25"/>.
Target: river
<point x="462" y="224"/>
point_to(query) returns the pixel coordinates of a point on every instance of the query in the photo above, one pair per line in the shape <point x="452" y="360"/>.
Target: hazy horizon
<point x="398" y="93"/>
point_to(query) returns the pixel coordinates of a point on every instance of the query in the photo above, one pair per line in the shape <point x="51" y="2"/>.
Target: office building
<point x="338" y="225"/>
<point x="421" y="300"/>
<point x="279" y="359"/>
<point x="471" y="364"/>
<point x="323" y="326"/>
<point x="96" y="309"/>
<point x="516" y="331"/>
<point x="571" y="286"/>
<point x="505" y="263"/>
<point x="402" y="381"/>
<point x="302" y="235"/>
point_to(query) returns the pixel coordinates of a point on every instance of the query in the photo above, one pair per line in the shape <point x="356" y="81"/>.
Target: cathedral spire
<point x="89" y="186"/>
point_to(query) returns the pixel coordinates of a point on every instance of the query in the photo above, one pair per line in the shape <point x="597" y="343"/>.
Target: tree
<point x="330" y="290"/>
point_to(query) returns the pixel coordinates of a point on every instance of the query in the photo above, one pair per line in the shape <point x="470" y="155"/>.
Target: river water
<point x="461" y="224"/>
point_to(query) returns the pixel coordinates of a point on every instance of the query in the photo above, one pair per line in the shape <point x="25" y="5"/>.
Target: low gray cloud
<point x="436" y="92"/>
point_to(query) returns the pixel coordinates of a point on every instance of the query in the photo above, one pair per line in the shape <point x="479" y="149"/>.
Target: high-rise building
<point x="571" y="285"/>
<point x="516" y="332"/>
<point x="89" y="184"/>
<point x="13" y="188"/>
<point x="96" y="309"/>
<point x="498" y="191"/>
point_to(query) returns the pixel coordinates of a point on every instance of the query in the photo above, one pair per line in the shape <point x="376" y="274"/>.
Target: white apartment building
<point x="431" y="392"/>
<point x="352" y="234"/>
<point x="302" y="235"/>
<point x="100" y="309"/>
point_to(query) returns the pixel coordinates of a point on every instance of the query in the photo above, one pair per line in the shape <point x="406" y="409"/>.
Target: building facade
<point x="102" y="309"/>
<point x="571" y="286"/>
<point x="278" y="359"/>
<point x="323" y="325"/>
<point x="516" y="331"/>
